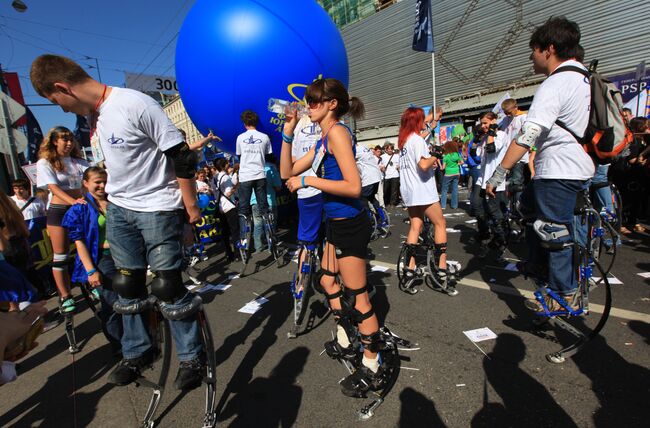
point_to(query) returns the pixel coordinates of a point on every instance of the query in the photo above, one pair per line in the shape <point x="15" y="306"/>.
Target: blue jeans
<point x="517" y="179"/>
<point x="258" y="225"/>
<point x="554" y="201"/>
<point x="154" y="238"/>
<point x="245" y="190"/>
<point x="447" y="182"/>
<point x="111" y="321"/>
<point x="603" y="197"/>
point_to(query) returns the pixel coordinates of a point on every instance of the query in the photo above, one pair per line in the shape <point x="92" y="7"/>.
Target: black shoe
<point x="190" y="374"/>
<point x="334" y="350"/>
<point x="129" y="370"/>
<point x="363" y="380"/>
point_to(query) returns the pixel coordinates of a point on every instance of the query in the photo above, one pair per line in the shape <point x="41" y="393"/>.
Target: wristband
<point x="303" y="181"/>
<point x="286" y="138"/>
<point x="91" y="271"/>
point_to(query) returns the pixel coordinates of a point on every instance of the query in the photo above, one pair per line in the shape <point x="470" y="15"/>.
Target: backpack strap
<point x="587" y="75"/>
<point x="221" y="193"/>
<point x="28" y="203"/>
<point x="571" y="68"/>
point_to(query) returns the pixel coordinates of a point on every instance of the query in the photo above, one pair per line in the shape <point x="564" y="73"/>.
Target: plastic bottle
<point x="279" y="106"/>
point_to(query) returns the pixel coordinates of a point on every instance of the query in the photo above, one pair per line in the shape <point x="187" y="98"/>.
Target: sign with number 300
<point x="151" y="83"/>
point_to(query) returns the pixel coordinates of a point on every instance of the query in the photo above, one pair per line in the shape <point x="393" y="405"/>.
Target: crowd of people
<point x="132" y="213"/>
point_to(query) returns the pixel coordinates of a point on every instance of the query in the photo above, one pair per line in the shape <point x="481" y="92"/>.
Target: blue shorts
<point x="310" y="218"/>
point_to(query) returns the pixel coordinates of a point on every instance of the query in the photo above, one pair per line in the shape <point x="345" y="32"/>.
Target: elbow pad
<point x="530" y="132"/>
<point x="184" y="160"/>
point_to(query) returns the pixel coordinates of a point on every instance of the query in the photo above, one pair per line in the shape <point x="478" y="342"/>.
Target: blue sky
<point x="135" y="36"/>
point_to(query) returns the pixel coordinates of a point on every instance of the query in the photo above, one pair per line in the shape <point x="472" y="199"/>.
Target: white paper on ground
<point x="379" y="269"/>
<point x="233" y="276"/>
<point x="644" y="274"/>
<point x="472" y="221"/>
<point x="222" y="287"/>
<point x="450" y="230"/>
<point x="249" y="308"/>
<point x="260" y="300"/>
<point x="612" y="280"/>
<point x="480" y="334"/>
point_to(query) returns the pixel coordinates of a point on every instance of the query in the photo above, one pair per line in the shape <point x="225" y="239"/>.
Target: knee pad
<point x="553" y="235"/>
<point x="129" y="283"/>
<point x="59" y="262"/>
<point x="167" y="285"/>
<point x="371" y="342"/>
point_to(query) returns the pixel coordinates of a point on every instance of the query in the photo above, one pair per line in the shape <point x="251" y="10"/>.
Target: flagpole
<point x="433" y="70"/>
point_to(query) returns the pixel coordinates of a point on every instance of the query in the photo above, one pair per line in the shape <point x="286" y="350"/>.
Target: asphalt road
<point x="268" y="380"/>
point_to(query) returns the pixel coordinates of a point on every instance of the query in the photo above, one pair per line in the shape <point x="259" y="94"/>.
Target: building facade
<point x="481" y="52"/>
<point x="176" y="112"/>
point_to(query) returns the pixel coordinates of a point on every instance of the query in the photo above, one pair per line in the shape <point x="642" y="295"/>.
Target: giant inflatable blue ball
<point x="233" y="55"/>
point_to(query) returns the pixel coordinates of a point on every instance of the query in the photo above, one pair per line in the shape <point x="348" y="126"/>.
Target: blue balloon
<point x="204" y="201"/>
<point x="233" y="56"/>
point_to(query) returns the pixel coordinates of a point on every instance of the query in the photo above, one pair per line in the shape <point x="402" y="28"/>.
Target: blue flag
<point x="423" y="31"/>
<point x="34" y="136"/>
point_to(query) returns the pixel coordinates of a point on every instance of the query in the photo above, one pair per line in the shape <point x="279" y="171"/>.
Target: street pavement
<point x="268" y="380"/>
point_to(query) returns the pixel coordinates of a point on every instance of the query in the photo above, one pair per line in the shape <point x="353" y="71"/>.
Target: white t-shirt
<point x="223" y="184"/>
<point x="565" y="96"/>
<point x="68" y="179"/>
<point x="252" y="145"/>
<point x="490" y="161"/>
<point x="417" y="187"/>
<point x="391" y="170"/>
<point x="33" y="210"/>
<point x="512" y="128"/>
<point x="303" y="139"/>
<point x="367" y="166"/>
<point x="202" y="187"/>
<point x="134" y="131"/>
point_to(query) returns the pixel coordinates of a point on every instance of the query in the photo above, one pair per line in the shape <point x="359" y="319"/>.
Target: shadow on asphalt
<point x="276" y="312"/>
<point x="526" y="402"/>
<point x="273" y="401"/>
<point x="417" y="411"/>
<point x="49" y="406"/>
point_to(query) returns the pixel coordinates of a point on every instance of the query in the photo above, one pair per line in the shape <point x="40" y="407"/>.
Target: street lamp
<point x="19" y="6"/>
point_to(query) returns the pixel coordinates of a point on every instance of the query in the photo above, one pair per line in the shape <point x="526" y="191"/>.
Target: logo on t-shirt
<point x="115" y="140"/>
<point x="252" y="140"/>
<point x="310" y="130"/>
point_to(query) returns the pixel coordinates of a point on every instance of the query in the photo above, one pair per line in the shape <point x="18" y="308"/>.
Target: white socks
<point x="371" y="363"/>
<point x="342" y="336"/>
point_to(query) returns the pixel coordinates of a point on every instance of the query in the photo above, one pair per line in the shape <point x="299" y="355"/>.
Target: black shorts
<point x="350" y="236"/>
<point x="55" y="214"/>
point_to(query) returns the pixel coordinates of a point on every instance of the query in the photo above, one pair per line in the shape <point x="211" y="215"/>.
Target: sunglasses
<point x="312" y="103"/>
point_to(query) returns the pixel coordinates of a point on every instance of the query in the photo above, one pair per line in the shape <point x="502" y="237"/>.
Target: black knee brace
<point x="324" y="272"/>
<point x="130" y="283"/>
<point x="371" y="342"/>
<point x="167" y="285"/>
<point x="439" y="249"/>
<point x="348" y="304"/>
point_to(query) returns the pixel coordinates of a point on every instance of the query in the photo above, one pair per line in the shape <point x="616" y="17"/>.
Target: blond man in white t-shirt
<point x="562" y="167"/>
<point x="150" y="186"/>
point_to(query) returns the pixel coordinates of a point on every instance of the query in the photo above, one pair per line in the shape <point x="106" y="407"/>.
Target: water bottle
<point x="279" y="106"/>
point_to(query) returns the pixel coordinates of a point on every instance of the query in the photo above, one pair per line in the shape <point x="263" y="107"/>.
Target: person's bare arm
<point x="197" y="145"/>
<point x="61" y="194"/>
<point x="188" y="191"/>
